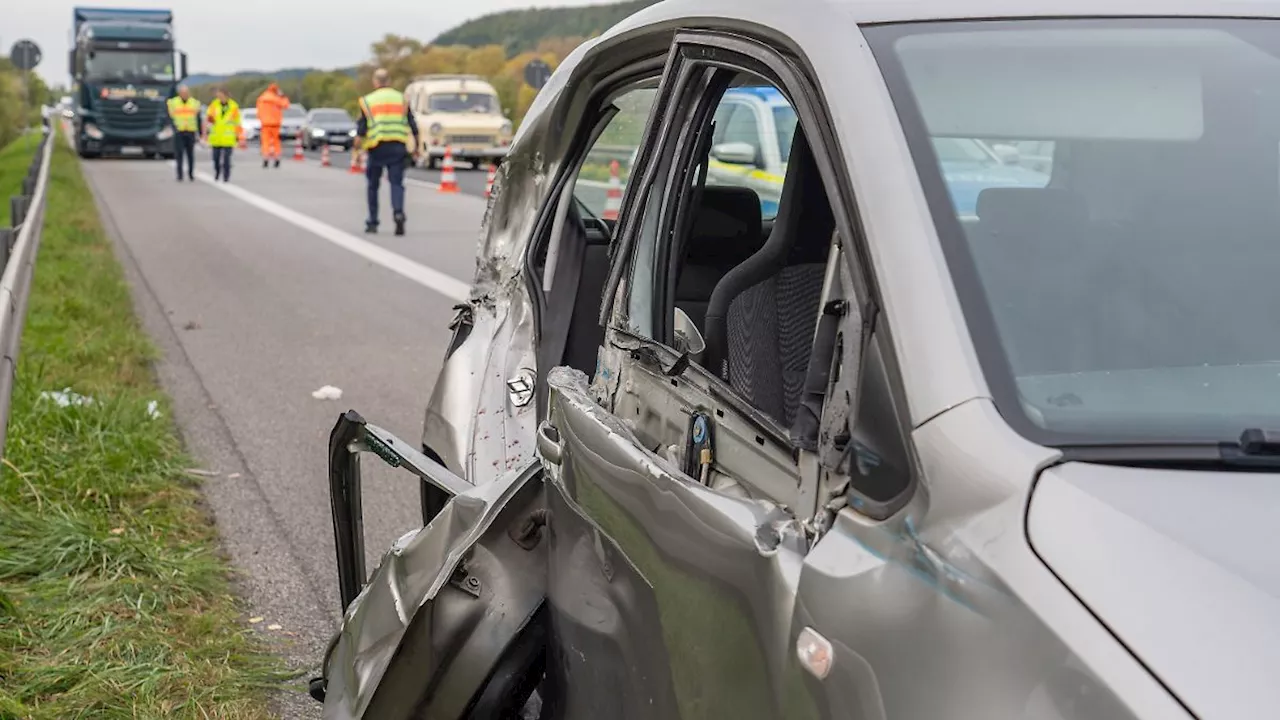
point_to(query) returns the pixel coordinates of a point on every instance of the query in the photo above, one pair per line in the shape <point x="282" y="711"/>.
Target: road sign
<point x="537" y="73"/>
<point x="25" y="55"/>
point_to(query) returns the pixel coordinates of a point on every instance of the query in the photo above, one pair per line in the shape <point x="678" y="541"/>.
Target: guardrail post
<point x="17" y="209"/>
<point x="6" y="245"/>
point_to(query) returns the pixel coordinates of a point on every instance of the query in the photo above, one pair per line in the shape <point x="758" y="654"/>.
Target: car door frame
<point x="582" y="415"/>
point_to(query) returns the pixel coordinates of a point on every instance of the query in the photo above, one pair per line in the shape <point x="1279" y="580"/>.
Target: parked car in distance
<point x="292" y="122"/>
<point x="459" y="112"/>
<point x="252" y="126"/>
<point x="331" y="126"/>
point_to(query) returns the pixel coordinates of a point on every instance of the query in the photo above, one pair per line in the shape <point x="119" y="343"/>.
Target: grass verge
<point x="113" y="600"/>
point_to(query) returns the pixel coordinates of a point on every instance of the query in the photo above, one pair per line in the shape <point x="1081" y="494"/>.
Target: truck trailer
<point x="124" y="67"/>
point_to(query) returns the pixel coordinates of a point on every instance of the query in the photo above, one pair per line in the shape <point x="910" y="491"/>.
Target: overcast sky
<point x="223" y="36"/>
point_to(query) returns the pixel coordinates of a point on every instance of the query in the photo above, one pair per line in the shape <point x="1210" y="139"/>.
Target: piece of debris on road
<point x="328" y="392"/>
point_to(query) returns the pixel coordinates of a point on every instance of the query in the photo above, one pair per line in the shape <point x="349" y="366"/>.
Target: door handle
<point x="549" y="447"/>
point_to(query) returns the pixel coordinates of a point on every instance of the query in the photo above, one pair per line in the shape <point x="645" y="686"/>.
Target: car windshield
<point x="250" y="114"/>
<point x="462" y="102"/>
<point x="331" y="116"/>
<point x="962" y="150"/>
<point x="294" y="112"/>
<point x="1130" y="294"/>
<point x="130" y="66"/>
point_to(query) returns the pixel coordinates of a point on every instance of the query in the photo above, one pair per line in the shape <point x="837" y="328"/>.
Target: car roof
<point x="890" y="11"/>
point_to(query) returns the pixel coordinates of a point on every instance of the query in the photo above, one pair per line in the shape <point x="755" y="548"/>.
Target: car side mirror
<point x="1008" y="154"/>
<point x="182" y="66"/>
<point x="688" y="339"/>
<point x="735" y="153"/>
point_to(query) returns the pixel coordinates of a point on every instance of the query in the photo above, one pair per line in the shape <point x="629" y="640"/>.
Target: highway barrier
<point x="18" y="247"/>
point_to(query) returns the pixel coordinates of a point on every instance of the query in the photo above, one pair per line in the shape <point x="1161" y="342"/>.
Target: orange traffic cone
<point x="357" y="166"/>
<point x="613" y="197"/>
<point x="297" y="150"/>
<point x="324" y="156"/>
<point x="488" y="182"/>
<point x="448" y="178"/>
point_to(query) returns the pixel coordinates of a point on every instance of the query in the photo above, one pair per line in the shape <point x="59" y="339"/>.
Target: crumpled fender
<point x="442" y="607"/>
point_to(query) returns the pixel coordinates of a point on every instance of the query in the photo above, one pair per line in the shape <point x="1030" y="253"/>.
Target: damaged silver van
<point x="871" y="456"/>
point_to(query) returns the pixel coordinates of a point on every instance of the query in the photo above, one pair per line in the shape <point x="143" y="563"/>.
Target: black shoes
<point x="370" y="228"/>
<point x="277" y="162"/>
<point x="399" y="224"/>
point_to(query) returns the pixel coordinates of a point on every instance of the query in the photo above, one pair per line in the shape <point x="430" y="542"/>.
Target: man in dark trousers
<point x="384" y="129"/>
<point x="184" y="113"/>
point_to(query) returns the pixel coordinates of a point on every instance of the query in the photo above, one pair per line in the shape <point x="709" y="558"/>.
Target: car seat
<point x="762" y="315"/>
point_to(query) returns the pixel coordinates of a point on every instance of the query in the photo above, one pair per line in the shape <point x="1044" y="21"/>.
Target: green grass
<point x="113" y="600"/>
<point x="15" y="158"/>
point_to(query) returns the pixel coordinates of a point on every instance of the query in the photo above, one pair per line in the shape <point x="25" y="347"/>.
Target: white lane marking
<point x="399" y="264"/>
<point x="422" y="183"/>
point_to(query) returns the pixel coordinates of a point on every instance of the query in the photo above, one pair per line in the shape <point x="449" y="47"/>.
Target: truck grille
<point x="149" y="116"/>
<point x="470" y="140"/>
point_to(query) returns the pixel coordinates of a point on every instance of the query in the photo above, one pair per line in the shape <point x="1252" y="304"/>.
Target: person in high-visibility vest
<point x="384" y="129"/>
<point x="271" y="106"/>
<point x="184" y="113"/>
<point x="223" y="131"/>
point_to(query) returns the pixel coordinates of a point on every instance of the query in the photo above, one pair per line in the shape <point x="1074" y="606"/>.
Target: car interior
<point x="750" y="285"/>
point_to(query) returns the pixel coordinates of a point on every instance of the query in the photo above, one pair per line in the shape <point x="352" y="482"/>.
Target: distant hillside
<point x="282" y="75"/>
<point x="521" y="30"/>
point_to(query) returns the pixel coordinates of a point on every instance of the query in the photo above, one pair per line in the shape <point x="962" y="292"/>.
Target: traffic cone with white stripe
<point x="488" y="181"/>
<point x="357" y="166"/>
<point x="448" y="178"/>
<point x="613" y="196"/>
<point x="324" y="156"/>
<point x="297" y="150"/>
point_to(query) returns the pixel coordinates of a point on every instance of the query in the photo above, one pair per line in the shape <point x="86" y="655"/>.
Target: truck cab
<point x="459" y="112"/>
<point x="124" y="67"/>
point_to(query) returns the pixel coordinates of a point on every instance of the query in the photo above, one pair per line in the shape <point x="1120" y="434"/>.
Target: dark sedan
<point x="328" y="126"/>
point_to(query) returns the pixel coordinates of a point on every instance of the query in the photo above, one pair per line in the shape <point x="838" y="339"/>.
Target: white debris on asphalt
<point x="328" y="392"/>
<point x="66" y="398"/>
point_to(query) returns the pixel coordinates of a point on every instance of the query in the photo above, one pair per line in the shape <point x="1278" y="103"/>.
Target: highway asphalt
<point x="260" y="292"/>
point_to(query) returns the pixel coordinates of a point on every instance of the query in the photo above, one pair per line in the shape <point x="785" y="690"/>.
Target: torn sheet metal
<point x="409" y="577"/>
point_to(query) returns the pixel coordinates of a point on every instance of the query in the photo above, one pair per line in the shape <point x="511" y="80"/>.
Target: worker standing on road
<point x="184" y="112"/>
<point x="271" y="106"/>
<point x="384" y="128"/>
<point x="223" y="131"/>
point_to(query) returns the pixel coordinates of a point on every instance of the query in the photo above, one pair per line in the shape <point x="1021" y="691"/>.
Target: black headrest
<point x="1042" y="206"/>
<point x="805" y="208"/>
<point x="727" y="228"/>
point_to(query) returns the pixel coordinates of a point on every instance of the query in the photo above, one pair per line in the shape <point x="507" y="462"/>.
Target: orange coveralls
<point x="271" y="105"/>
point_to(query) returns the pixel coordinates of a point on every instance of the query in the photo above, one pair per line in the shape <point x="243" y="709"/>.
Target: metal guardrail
<point x="18" y="247"/>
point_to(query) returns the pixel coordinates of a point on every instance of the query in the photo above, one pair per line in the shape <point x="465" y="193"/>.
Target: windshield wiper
<point x="1256" y="449"/>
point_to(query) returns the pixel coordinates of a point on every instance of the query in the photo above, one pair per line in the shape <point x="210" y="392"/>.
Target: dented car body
<point x="879" y="455"/>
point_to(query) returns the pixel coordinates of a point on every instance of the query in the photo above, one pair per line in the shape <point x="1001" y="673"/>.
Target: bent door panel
<point x="668" y="600"/>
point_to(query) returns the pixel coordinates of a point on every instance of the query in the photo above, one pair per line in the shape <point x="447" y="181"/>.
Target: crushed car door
<point x="656" y="579"/>
<point x="449" y="626"/>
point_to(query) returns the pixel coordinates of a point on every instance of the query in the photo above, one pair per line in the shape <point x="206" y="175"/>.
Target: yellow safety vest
<point x="384" y="109"/>
<point x="224" y="123"/>
<point x="184" y="114"/>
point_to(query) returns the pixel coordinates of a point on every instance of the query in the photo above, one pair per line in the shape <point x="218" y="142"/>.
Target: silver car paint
<point x="923" y="612"/>
<point x="1181" y="565"/>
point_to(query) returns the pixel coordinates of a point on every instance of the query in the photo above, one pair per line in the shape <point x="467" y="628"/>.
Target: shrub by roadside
<point x="113" y="601"/>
